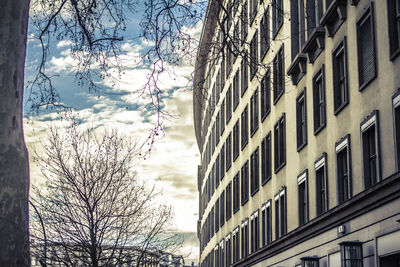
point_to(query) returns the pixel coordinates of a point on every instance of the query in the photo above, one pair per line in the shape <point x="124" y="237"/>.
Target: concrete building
<point x="297" y="118"/>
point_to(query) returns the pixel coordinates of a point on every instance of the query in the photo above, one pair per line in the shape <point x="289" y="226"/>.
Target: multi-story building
<point x="297" y="118"/>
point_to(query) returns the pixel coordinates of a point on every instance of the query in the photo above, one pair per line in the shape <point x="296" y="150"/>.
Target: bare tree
<point x="93" y="206"/>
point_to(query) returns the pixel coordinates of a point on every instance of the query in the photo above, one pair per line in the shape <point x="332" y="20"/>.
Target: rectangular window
<point x="254" y="112"/>
<point x="245" y="238"/>
<point x="228" y="105"/>
<point x="217" y="128"/>
<point x="280" y="214"/>
<point x="244" y="21"/>
<point x="343" y="169"/>
<point x="264" y="34"/>
<point x="266" y="161"/>
<point x="221" y="254"/>
<point x="236" y="245"/>
<point x="236" y="90"/>
<point x="228" y="151"/>
<point x="244" y="127"/>
<point x="280" y="143"/>
<point x="340" y="91"/>
<point x="228" y="200"/>
<point x="255" y="172"/>
<point x="236" y="193"/>
<point x="319" y="101"/>
<point x="217" y="215"/>
<point x="222" y="116"/>
<point x="393" y="7"/>
<point x="255" y="232"/>
<point x="244" y="71"/>
<point x="302" y="181"/>
<point x="396" y="127"/>
<point x="222" y="209"/>
<point x="217" y="171"/>
<point x="266" y="223"/>
<point x="301" y="120"/>
<point x="212" y="223"/>
<point x="265" y="95"/>
<point x="228" y="249"/>
<point x="370" y="149"/>
<point x="222" y="163"/>
<point x="244" y="183"/>
<point x="236" y="141"/>
<point x="253" y="55"/>
<point x="279" y="75"/>
<point x="366" y="48"/>
<point x="277" y="16"/>
<point x="321" y="185"/>
<point x="253" y="10"/>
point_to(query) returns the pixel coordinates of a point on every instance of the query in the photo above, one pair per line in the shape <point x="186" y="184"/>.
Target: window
<point x="393" y="7"/>
<point x="321" y="184"/>
<point x="228" y="250"/>
<point x="366" y="49"/>
<point x="266" y="169"/>
<point x="302" y="181"/>
<point x="221" y="254"/>
<point x="244" y="21"/>
<point x="351" y="253"/>
<point x="212" y="223"/>
<point x="244" y="72"/>
<point x="340" y="91"/>
<point x="266" y="223"/>
<point x="255" y="232"/>
<point x="228" y="105"/>
<point x="222" y="116"/>
<point x="254" y="112"/>
<point x="253" y="55"/>
<point x="265" y="95"/>
<point x="301" y="120"/>
<point x="253" y="10"/>
<point x="245" y="238"/>
<point x="277" y="16"/>
<point x="319" y="101"/>
<point x="236" y="193"/>
<point x="217" y="128"/>
<point x="235" y="90"/>
<point x="228" y="151"/>
<point x="279" y="75"/>
<point x="255" y="173"/>
<point x="217" y="171"/>
<point x="236" y="245"/>
<point x="264" y="34"/>
<point x="236" y="140"/>
<point x="222" y="163"/>
<point x="244" y="183"/>
<point x="280" y="214"/>
<point x="228" y="200"/>
<point x="343" y="169"/>
<point x="396" y="127"/>
<point x="222" y="209"/>
<point x="216" y="253"/>
<point x="280" y="143"/>
<point x="244" y="130"/>
<point x="370" y="149"/>
<point x="217" y="215"/>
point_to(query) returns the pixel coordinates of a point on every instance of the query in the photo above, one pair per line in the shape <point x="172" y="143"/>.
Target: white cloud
<point x="64" y="43"/>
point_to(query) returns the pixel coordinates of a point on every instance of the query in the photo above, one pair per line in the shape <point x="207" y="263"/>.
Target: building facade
<point x="297" y="118"/>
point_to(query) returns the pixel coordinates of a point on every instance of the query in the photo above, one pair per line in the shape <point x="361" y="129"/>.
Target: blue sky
<point x="173" y="162"/>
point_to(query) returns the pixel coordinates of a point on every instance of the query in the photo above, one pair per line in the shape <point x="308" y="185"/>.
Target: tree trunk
<point x="14" y="168"/>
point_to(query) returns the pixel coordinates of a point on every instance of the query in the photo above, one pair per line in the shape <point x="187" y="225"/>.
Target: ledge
<point x="334" y="16"/>
<point x="315" y="44"/>
<point x="372" y="198"/>
<point x="298" y="68"/>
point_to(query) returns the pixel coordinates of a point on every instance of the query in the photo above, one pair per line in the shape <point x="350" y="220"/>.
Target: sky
<point x="172" y="164"/>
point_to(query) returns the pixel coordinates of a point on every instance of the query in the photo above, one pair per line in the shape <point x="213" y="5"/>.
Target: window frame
<point x="253" y="55"/>
<point x="265" y="95"/>
<point x="255" y="232"/>
<point x="321" y="162"/>
<point x="371" y="120"/>
<point x="396" y="130"/>
<point x="303" y="208"/>
<point x="266" y="213"/>
<point x="319" y="78"/>
<point x="279" y="72"/>
<point x="344" y="143"/>
<point x="279" y="134"/>
<point x="301" y="127"/>
<point x="266" y="153"/>
<point x="393" y="30"/>
<point x="277" y="17"/>
<point x="245" y="238"/>
<point x="244" y="127"/>
<point x="254" y="113"/>
<point x="236" y="141"/>
<point x="236" y="192"/>
<point x="340" y="50"/>
<point x="228" y="201"/>
<point x="367" y="14"/>
<point x="280" y="219"/>
<point x="255" y="171"/>
<point x="244" y="183"/>
<point x="265" y="42"/>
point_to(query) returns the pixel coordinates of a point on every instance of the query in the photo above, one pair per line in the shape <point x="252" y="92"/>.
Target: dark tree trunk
<point x="14" y="169"/>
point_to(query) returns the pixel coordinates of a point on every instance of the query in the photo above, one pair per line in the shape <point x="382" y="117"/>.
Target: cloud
<point x="64" y="43"/>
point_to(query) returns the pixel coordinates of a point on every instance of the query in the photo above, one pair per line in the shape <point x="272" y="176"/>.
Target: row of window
<point x="239" y="194"/>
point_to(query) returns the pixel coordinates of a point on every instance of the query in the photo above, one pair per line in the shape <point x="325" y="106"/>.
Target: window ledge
<point x="334" y="16"/>
<point x="298" y="68"/>
<point x="315" y="44"/>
